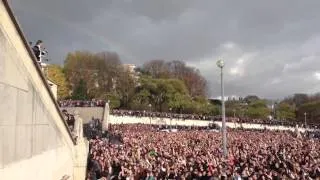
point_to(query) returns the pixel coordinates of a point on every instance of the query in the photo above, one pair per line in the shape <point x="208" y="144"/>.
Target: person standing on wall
<point x="38" y="52"/>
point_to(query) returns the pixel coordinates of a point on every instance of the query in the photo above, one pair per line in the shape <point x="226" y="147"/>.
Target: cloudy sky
<point x="271" y="48"/>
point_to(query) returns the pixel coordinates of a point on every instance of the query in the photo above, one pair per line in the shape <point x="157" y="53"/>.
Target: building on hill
<point x="228" y="98"/>
<point x="131" y="68"/>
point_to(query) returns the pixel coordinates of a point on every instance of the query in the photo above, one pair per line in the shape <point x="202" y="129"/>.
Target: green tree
<point x="233" y="108"/>
<point x="285" y="111"/>
<point x="102" y="72"/>
<point x="313" y="112"/>
<point x="161" y="93"/>
<point x="114" y="100"/>
<point x="80" y="92"/>
<point x="192" y="78"/>
<point x="56" y="75"/>
<point x="258" y="109"/>
<point x="251" y="98"/>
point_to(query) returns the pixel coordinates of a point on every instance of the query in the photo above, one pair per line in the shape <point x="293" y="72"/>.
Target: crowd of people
<point x="81" y="103"/>
<point x="118" y="112"/>
<point x="147" y="153"/>
<point x="137" y="113"/>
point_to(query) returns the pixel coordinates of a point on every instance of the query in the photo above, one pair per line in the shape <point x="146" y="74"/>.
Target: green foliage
<point x="285" y="111"/>
<point x="304" y="103"/>
<point x="165" y="85"/>
<point x="114" y="100"/>
<point x="99" y="71"/>
<point x="80" y="92"/>
<point x="161" y="93"/>
<point x="313" y="112"/>
<point x="251" y="98"/>
<point x="258" y="109"/>
<point x="193" y="80"/>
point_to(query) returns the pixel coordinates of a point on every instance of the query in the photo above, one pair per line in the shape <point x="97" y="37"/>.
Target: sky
<point x="270" y="48"/>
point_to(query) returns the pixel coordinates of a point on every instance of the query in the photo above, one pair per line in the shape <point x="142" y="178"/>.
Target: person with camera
<point x="39" y="51"/>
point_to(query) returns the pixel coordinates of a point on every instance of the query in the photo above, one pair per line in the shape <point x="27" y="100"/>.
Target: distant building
<point x="131" y="68"/>
<point x="229" y="98"/>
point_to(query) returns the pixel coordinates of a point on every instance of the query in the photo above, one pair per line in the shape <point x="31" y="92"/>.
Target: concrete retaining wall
<point x="86" y="113"/>
<point x="34" y="140"/>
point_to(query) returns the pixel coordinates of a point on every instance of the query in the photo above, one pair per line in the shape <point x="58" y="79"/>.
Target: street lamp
<point x="170" y="109"/>
<point x="220" y="64"/>
<point x="150" y="112"/>
<point x="305" y="119"/>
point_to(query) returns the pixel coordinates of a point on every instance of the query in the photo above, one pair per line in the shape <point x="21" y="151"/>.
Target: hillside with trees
<point x="164" y="86"/>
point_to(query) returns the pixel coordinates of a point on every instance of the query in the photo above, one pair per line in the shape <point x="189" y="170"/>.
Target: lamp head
<point x="220" y="63"/>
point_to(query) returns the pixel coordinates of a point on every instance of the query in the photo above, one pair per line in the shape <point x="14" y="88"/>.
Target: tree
<point x="297" y="99"/>
<point x="101" y="72"/>
<point x="157" y="69"/>
<point x="161" y="93"/>
<point x="258" y="109"/>
<point x="80" y="92"/>
<point x="233" y="108"/>
<point x="285" y="111"/>
<point x="313" y="112"/>
<point x="251" y="98"/>
<point x="125" y="87"/>
<point x="194" y="81"/>
<point x="56" y="75"/>
<point x="114" y="100"/>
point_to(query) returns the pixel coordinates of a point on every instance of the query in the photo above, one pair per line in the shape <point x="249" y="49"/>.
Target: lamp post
<point x="170" y="109"/>
<point x="234" y="117"/>
<point x="150" y="113"/>
<point x="305" y="119"/>
<point x="220" y="64"/>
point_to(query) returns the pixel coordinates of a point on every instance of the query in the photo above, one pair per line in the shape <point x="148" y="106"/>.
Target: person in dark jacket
<point x="37" y="50"/>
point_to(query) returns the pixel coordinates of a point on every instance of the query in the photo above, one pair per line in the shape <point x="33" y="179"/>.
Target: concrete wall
<point x="34" y="141"/>
<point x="86" y="113"/>
<point x="54" y="89"/>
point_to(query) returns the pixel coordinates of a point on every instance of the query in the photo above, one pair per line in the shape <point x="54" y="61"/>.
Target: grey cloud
<point x="273" y="38"/>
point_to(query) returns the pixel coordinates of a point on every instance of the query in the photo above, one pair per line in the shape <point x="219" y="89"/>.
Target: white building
<point x="130" y="67"/>
<point x="230" y="98"/>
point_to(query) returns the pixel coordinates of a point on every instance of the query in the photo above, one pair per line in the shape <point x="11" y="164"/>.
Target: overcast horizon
<point x="271" y="48"/>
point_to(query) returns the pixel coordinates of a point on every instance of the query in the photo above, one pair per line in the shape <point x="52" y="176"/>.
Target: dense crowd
<point x="147" y="153"/>
<point x="269" y="122"/>
<point x="117" y="112"/>
<point x="136" y="113"/>
<point x="80" y="103"/>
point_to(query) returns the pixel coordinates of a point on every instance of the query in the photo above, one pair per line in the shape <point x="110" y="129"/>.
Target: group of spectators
<point x="81" y="103"/>
<point x="135" y="113"/>
<point x="118" y="112"/>
<point x="70" y="120"/>
<point x="147" y="153"/>
<point x="269" y="122"/>
<point x="93" y="128"/>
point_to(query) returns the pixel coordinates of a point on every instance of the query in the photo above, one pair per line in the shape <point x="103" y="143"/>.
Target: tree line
<point x="164" y="86"/>
<point x="158" y="84"/>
